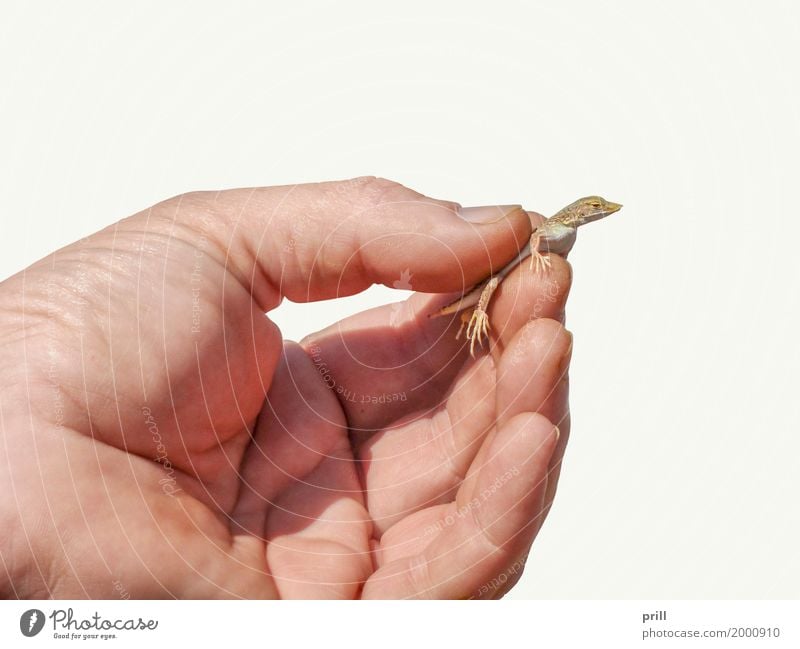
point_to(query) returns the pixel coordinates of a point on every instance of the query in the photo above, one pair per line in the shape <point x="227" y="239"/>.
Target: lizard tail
<point x="454" y="307"/>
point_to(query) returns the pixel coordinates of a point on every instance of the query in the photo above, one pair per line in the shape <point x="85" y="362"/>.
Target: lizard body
<point x="556" y="234"/>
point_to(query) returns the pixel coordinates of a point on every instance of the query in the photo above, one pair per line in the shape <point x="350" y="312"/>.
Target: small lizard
<point x="556" y="234"/>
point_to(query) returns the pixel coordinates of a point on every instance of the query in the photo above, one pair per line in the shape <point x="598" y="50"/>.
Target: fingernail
<point x="487" y="213"/>
<point x="563" y="366"/>
<point x="557" y="431"/>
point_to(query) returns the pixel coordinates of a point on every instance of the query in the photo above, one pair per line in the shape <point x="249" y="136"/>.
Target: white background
<point x="682" y="479"/>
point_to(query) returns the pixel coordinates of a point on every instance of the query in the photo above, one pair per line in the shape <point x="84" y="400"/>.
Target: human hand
<point x="374" y="459"/>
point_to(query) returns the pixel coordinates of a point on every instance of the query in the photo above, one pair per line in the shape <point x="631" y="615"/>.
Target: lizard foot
<point x="540" y="263"/>
<point x="477" y="328"/>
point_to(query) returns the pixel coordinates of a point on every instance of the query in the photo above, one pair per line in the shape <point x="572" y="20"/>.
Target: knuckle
<point x="382" y="190"/>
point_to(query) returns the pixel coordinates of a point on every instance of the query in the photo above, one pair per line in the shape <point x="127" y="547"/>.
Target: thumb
<point x="317" y="241"/>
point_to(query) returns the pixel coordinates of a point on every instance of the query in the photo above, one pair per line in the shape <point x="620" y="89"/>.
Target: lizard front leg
<point x="539" y="263"/>
<point x="478" y="326"/>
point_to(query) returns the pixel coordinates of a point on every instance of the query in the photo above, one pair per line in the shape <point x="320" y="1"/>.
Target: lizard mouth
<point x="612" y="207"/>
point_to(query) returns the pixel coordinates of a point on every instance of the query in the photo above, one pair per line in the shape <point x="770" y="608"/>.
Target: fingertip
<point x="535" y="218"/>
<point x="543" y="341"/>
<point x="525" y="297"/>
<point x="514" y="481"/>
<point x="529" y="435"/>
<point x="532" y="371"/>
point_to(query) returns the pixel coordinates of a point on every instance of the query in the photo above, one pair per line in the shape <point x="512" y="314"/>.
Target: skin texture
<point x="160" y="439"/>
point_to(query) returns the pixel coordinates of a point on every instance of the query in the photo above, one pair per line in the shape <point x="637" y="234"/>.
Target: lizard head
<point x="587" y="209"/>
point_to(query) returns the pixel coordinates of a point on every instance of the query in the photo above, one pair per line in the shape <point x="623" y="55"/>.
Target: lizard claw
<point x="540" y="263"/>
<point x="538" y="260"/>
<point x="477" y="328"/>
